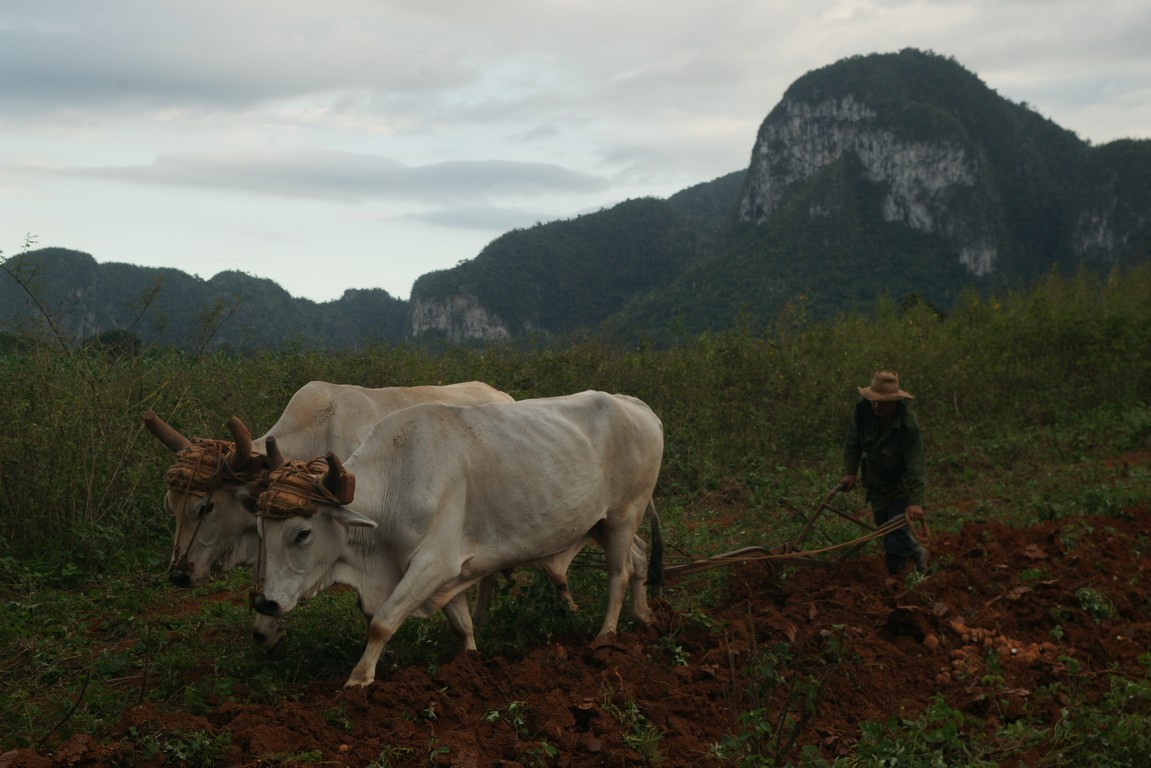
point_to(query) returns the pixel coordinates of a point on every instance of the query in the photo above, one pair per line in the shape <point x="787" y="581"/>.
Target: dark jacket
<point x="890" y="463"/>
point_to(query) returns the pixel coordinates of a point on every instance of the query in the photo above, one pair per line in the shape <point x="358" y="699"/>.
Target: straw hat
<point x="884" y="387"/>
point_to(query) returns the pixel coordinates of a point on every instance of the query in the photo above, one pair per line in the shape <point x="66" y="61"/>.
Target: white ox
<point x="215" y="511"/>
<point x="445" y="496"/>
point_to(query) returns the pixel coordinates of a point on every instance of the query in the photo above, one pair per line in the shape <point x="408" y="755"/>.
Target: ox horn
<point x="243" y="438"/>
<point x="339" y="482"/>
<point x="275" y="458"/>
<point x="164" y="432"/>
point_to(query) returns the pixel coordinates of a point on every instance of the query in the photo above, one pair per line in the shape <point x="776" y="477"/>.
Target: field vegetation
<point x="1023" y="396"/>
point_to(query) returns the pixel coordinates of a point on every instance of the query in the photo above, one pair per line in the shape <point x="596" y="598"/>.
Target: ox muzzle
<point x="180" y="577"/>
<point x="265" y="606"/>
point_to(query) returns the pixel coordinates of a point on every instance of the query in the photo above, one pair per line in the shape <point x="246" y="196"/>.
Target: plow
<point x="793" y="552"/>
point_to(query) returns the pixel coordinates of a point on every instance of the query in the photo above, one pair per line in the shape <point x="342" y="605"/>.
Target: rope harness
<point x="200" y="470"/>
<point x="296" y="488"/>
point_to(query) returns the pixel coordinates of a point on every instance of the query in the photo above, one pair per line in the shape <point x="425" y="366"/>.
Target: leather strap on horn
<point x="199" y="467"/>
<point x="298" y="489"/>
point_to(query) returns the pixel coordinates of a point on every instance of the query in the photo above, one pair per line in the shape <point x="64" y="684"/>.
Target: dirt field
<point x="872" y="650"/>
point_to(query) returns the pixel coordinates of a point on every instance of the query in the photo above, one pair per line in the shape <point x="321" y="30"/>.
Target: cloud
<point x="483" y="217"/>
<point x="211" y="53"/>
<point x="348" y="177"/>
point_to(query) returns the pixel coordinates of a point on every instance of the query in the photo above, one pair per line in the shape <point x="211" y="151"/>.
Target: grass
<point x="191" y="748"/>
<point x="65" y="673"/>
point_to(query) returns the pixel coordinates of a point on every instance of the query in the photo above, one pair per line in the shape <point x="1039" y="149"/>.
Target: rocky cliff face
<point x="1104" y="230"/>
<point x="460" y="318"/>
<point x="799" y="139"/>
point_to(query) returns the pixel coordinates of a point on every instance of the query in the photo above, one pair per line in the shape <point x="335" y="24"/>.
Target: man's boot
<point x="921" y="557"/>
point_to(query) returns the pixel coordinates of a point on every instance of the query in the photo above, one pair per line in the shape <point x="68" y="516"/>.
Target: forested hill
<point x="56" y="293"/>
<point x="897" y="174"/>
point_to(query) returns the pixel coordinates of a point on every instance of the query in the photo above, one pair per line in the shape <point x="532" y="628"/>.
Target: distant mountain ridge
<point x="168" y="307"/>
<point x="899" y="174"/>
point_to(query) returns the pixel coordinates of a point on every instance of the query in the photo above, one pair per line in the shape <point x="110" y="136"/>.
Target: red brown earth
<point x="877" y="650"/>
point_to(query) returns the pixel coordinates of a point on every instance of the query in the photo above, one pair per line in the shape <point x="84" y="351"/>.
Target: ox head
<point x="212" y="489"/>
<point x="304" y="527"/>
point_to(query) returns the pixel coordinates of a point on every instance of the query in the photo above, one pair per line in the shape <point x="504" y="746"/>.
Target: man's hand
<point x="914" y="512"/>
<point x="847" y="483"/>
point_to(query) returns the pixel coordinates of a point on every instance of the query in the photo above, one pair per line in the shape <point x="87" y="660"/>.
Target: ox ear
<point x="352" y="518"/>
<point x="164" y="433"/>
<point x="340" y="482"/>
<point x="247" y="495"/>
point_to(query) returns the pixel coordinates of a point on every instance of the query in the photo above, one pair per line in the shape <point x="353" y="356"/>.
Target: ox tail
<point x="655" y="556"/>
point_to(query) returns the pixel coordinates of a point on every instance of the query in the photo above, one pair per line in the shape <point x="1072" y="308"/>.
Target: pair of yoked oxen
<point x="410" y="495"/>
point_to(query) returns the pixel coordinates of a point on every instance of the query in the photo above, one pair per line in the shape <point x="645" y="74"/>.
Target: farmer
<point x="884" y="444"/>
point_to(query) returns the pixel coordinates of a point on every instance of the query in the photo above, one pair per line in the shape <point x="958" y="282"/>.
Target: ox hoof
<point x="604" y="648"/>
<point x="357" y="683"/>
<point x="606" y="640"/>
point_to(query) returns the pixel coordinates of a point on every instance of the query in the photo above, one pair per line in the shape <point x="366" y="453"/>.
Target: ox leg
<point x="617" y="545"/>
<point x="556" y="569"/>
<point x="637" y="579"/>
<point x="424" y="576"/>
<point x="379" y="632"/>
<point x="638" y="559"/>
<point x="484" y="592"/>
<point x="560" y="579"/>
<point x="266" y="632"/>
<point x="460" y="620"/>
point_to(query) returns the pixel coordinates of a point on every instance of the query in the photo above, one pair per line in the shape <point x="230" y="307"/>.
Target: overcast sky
<point x="335" y="144"/>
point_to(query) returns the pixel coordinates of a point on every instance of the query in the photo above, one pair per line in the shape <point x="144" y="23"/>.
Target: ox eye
<point x="302" y="536"/>
<point x="207" y="508"/>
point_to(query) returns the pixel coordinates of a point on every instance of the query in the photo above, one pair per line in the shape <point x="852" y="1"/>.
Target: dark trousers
<point x="900" y="544"/>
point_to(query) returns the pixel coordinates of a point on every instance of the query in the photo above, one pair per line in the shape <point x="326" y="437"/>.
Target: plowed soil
<point x="990" y="629"/>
